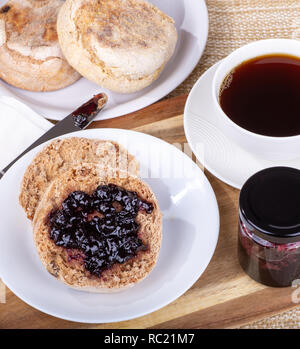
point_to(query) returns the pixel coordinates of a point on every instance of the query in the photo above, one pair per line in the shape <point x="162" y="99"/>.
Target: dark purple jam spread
<point x="84" y="114"/>
<point x="4" y="9"/>
<point x="101" y="229"/>
<point x="270" y="263"/>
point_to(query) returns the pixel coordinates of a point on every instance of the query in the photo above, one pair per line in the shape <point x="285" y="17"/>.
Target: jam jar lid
<point x="270" y="203"/>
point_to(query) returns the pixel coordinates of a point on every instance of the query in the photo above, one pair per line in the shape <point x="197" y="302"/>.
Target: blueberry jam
<point x="100" y="229"/>
<point x="84" y="114"/>
<point x="269" y="226"/>
<point x="4" y="9"/>
<point x="270" y="263"/>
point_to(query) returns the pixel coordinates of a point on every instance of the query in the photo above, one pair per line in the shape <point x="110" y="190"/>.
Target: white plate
<point x="221" y="156"/>
<point x="190" y="234"/>
<point x="191" y="21"/>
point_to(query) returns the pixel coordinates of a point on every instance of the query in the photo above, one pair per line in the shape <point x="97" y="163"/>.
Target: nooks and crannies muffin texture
<point x="122" y="45"/>
<point x="62" y="154"/>
<point x="30" y="55"/>
<point x="101" y="227"/>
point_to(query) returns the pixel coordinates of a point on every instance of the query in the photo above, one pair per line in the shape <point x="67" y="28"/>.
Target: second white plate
<point x="190" y="234"/>
<point x="191" y="20"/>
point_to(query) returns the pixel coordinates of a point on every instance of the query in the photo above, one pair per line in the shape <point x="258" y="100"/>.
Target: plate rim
<point x="159" y="305"/>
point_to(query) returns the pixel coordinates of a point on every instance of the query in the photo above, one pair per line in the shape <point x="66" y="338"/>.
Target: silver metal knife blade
<point x="76" y="121"/>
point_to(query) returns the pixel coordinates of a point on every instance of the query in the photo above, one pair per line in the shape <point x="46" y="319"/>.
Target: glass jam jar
<point x="269" y="226"/>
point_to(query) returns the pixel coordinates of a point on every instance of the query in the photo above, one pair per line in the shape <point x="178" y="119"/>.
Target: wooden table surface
<point x="223" y="297"/>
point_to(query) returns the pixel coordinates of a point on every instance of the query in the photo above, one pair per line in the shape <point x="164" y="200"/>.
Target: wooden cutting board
<point x="223" y="297"/>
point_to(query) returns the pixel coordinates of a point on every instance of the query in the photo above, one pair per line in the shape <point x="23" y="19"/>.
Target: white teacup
<point x="271" y="148"/>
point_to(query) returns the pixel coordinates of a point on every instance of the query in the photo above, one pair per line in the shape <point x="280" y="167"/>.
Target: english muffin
<point x="98" y="233"/>
<point x="122" y="45"/>
<point x="60" y="155"/>
<point x="30" y="56"/>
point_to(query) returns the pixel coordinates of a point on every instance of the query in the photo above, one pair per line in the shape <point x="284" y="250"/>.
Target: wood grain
<point x="224" y="296"/>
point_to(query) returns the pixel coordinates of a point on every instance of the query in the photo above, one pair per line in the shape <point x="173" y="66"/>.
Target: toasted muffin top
<point x="129" y="24"/>
<point x="28" y="27"/>
<point x="87" y="177"/>
<point x="126" y="39"/>
<point x="62" y="154"/>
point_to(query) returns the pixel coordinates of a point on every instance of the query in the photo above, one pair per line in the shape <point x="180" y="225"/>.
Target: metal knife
<point x="76" y="121"/>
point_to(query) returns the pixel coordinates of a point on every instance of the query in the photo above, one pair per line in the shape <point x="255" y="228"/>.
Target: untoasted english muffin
<point x="102" y="233"/>
<point x="30" y="56"/>
<point x="122" y="45"/>
<point x="61" y="155"/>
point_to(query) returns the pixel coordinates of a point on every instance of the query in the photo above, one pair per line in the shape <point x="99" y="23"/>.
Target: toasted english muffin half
<point x="122" y="45"/>
<point x="69" y="266"/>
<point x="30" y="55"/>
<point x="62" y="154"/>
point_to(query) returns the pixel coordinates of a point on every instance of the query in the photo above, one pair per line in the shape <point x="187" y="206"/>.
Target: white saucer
<point x="190" y="235"/>
<point x="219" y="155"/>
<point x="191" y="20"/>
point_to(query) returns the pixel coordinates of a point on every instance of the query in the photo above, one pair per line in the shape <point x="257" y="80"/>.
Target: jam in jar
<point x="269" y="226"/>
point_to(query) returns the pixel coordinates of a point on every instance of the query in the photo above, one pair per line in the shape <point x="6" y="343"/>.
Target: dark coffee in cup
<point x="262" y="95"/>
